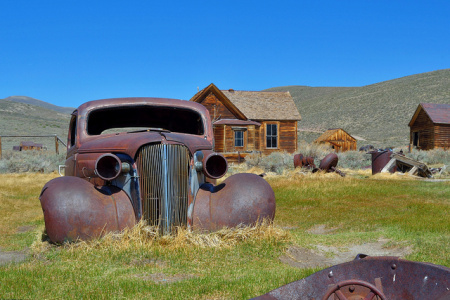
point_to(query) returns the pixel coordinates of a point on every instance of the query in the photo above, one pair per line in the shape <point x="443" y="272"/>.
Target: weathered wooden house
<point x="338" y="139"/>
<point x="30" y="146"/>
<point x="430" y="126"/>
<point x="246" y="122"/>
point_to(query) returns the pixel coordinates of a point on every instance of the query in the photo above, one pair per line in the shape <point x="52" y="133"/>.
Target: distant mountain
<point x="36" y="102"/>
<point x="378" y="113"/>
<point x="18" y="118"/>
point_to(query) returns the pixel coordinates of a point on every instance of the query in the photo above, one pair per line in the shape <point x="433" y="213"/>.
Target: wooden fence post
<point x="56" y="145"/>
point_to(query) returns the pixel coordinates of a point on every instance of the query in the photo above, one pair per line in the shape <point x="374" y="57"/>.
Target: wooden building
<point x="246" y="122"/>
<point x="338" y="139"/>
<point x="430" y="126"/>
<point x="30" y="146"/>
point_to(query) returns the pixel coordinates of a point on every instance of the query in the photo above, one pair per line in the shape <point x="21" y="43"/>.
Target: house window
<point x="272" y="136"/>
<point x="239" y="138"/>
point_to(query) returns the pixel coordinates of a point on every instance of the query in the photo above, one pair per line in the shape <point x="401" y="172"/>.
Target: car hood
<point x="129" y="143"/>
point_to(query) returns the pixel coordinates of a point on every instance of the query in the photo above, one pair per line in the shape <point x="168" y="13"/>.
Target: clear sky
<point x="67" y="52"/>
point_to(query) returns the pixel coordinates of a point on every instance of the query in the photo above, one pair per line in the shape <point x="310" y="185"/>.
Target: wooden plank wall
<point x="442" y="136"/>
<point x="216" y="108"/>
<point x="219" y="138"/>
<point x="425" y="127"/>
<point x="343" y="141"/>
<point x="287" y="136"/>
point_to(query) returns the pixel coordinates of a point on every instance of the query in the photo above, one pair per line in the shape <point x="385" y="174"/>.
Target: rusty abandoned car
<point x="147" y="158"/>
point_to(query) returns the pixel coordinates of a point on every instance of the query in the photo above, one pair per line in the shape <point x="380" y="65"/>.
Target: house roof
<point x="254" y="105"/>
<point x="438" y="113"/>
<point x="235" y="122"/>
<point x="327" y="134"/>
<point x="264" y="105"/>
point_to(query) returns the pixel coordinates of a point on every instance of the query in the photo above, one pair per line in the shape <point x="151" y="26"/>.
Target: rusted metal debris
<point x="379" y="159"/>
<point x="407" y="165"/>
<point x="366" y="277"/>
<point x="301" y="161"/>
<point x="161" y="169"/>
<point x="327" y="164"/>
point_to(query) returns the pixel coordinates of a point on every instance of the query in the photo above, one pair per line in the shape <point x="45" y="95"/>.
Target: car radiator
<point x="164" y="181"/>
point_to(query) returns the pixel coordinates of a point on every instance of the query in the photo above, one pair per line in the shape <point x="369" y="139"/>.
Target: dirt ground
<point x="12" y="256"/>
<point x="324" y="256"/>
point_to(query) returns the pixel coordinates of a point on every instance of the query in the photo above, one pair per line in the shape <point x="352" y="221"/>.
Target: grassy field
<point x="324" y="214"/>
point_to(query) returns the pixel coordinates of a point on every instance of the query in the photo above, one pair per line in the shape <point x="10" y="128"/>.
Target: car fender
<point x="76" y="209"/>
<point x="241" y="199"/>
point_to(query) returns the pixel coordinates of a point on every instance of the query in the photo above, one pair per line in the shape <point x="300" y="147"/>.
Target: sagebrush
<point x="30" y="161"/>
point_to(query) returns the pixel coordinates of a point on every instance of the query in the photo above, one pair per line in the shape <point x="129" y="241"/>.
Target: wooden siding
<point x="216" y="108"/>
<point x="425" y="127"/>
<point x="442" y="136"/>
<point x="287" y="136"/>
<point x="338" y="139"/>
<point x="219" y="138"/>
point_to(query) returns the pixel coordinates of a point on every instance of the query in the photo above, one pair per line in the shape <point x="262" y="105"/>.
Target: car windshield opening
<point x="135" y="118"/>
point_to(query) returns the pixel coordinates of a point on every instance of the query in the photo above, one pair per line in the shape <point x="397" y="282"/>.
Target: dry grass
<point x="149" y="237"/>
<point x="19" y="202"/>
<point x="238" y="263"/>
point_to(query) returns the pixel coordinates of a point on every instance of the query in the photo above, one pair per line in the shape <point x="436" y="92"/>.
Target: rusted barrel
<point x="380" y="158"/>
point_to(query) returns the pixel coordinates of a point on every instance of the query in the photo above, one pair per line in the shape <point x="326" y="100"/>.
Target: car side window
<point x="72" y="131"/>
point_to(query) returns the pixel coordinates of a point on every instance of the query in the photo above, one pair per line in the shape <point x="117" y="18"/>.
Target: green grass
<point x="410" y="213"/>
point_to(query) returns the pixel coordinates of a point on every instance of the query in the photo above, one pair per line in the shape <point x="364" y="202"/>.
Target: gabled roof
<point x="201" y="95"/>
<point x="438" y="113"/>
<point x="257" y="105"/>
<point x="327" y="134"/>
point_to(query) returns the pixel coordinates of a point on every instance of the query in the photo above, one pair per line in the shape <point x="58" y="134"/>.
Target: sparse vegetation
<point x="281" y="162"/>
<point x="30" y="161"/>
<point x="231" y="264"/>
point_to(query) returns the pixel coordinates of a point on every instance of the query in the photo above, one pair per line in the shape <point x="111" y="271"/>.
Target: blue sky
<point x="69" y="52"/>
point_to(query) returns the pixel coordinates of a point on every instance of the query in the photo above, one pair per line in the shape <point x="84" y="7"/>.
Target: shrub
<point x="354" y="160"/>
<point x="275" y="162"/>
<point x="30" y="161"/>
<point x="431" y="157"/>
<point x="313" y="149"/>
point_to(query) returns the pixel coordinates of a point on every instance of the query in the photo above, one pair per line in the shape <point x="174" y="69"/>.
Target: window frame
<point x="241" y="139"/>
<point x="276" y="136"/>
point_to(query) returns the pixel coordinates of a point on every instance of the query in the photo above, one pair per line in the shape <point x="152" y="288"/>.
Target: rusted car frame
<point x="147" y="158"/>
<point x="367" y="277"/>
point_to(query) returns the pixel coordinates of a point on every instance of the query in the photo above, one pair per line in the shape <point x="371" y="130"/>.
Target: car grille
<point x="163" y="179"/>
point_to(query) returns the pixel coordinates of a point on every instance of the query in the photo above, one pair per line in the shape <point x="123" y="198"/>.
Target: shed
<point x="247" y="121"/>
<point x="338" y="139"/>
<point x="30" y="146"/>
<point x="430" y="126"/>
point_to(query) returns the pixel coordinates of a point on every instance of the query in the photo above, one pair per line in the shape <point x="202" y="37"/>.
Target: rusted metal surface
<point x="240" y="199"/>
<point x="75" y="209"/>
<point x="380" y="158"/>
<point x="150" y="170"/>
<point x="301" y="161"/>
<point x="215" y="165"/>
<point x="86" y="108"/>
<point x="383" y="277"/>
<point x="164" y="185"/>
<point x="329" y="164"/>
